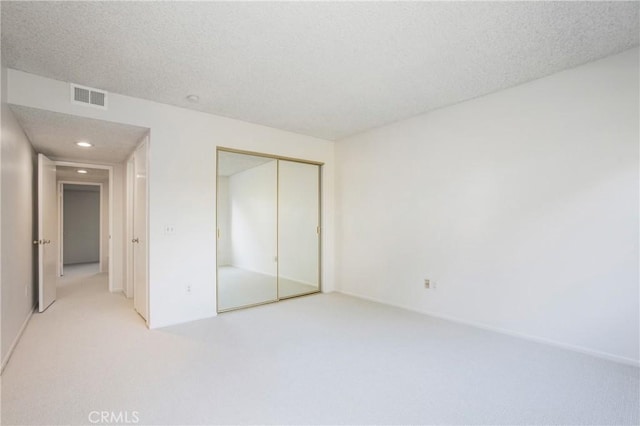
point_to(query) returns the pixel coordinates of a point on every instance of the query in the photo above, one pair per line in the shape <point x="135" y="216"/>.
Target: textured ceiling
<point x="55" y="135"/>
<point x="327" y="69"/>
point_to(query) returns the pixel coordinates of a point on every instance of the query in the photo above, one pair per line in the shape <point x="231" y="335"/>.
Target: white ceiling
<point x="327" y="69"/>
<point x="55" y="135"/>
<point x="68" y="173"/>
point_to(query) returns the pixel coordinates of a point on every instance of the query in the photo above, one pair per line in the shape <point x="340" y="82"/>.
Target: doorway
<point x="81" y="226"/>
<point x="84" y="218"/>
<point x="52" y="177"/>
<point x="64" y="140"/>
<point x="60" y="178"/>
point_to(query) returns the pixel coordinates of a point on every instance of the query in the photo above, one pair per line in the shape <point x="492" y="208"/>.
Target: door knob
<point x="36" y="242"/>
<point x="135" y="240"/>
<point x="46" y="242"/>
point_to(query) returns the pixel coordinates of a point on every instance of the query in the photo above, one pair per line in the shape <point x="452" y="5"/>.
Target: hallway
<point x="69" y="351"/>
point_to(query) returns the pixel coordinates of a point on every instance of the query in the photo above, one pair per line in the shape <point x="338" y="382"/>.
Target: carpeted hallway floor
<point x="322" y="359"/>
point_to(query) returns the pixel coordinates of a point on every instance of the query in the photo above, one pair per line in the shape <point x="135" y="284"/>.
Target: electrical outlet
<point x="427" y="283"/>
<point x="188" y="288"/>
<point x="169" y="229"/>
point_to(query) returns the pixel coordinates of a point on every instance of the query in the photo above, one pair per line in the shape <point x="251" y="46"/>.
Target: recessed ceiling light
<point x="82" y="171"/>
<point x="194" y="99"/>
<point x="84" y="144"/>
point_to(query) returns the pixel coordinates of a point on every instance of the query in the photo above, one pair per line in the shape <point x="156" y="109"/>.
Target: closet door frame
<point x="320" y="228"/>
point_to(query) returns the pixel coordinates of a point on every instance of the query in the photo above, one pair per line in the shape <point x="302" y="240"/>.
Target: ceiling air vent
<point x="88" y="96"/>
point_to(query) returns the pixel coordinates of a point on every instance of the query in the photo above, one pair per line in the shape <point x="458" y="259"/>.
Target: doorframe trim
<point x="262" y="154"/>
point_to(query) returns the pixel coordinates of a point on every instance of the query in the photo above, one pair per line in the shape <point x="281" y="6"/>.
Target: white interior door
<point x="47" y="232"/>
<point x="139" y="241"/>
<point x="129" y="224"/>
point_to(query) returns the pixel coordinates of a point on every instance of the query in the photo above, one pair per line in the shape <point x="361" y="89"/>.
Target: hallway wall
<point x="18" y="227"/>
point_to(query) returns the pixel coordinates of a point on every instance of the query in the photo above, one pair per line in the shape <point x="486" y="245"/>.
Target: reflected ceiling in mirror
<point x="230" y="163"/>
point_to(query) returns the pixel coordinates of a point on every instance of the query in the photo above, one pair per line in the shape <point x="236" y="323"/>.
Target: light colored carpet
<point x="239" y="287"/>
<point x="74" y="273"/>
<point x="327" y="358"/>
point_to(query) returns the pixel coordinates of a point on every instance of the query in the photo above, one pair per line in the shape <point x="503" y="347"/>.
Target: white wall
<point x="182" y="180"/>
<point x="17" y="227"/>
<point x="298" y="222"/>
<point x="224" y="222"/>
<point x="522" y="207"/>
<point x="253" y="218"/>
<point x="81" y="229"/>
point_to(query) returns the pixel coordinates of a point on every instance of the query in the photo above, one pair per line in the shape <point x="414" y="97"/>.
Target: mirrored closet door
<point x="298" y="228"/>
<point x="268" y="226"/>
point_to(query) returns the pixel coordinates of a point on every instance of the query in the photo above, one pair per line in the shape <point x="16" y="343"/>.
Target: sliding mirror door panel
<point x="247" y="230"/>
<point x="298" y="228"/>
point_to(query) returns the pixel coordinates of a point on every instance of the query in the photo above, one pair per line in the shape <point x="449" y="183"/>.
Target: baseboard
<point x="5" y="361"/>
<point x="533" y="338"/>
<point x="310" y="284"/>
<point x="153" y="325"/>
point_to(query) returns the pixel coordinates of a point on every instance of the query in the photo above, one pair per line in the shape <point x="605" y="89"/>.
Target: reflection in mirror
<point x="247" y="230"/>
<point x="298" y="228"/>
